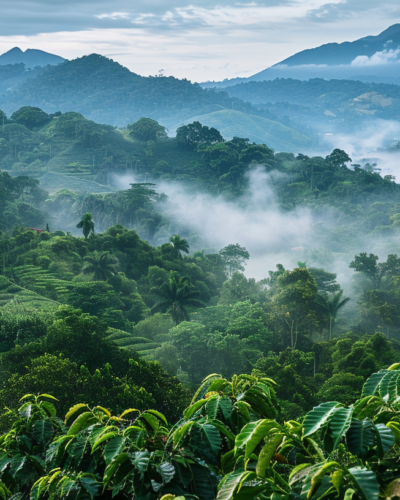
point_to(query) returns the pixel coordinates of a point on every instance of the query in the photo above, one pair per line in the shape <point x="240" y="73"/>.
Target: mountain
<point x="333" y="54"/>
<point x="31" y="58"/>
<point x="104" y="91"/>
<point x="370" y="59"/>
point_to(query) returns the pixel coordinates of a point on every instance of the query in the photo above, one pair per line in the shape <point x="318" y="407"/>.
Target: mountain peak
<point x="31" y="58"/>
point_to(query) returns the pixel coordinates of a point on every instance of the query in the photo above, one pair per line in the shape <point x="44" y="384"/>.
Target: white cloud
<point x="377" y="59"/>
<point x="114" y="16"/>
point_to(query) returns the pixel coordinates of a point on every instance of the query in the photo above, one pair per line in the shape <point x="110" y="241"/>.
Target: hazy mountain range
<point x="287" y="114"/>
<point x="371" y="59"/>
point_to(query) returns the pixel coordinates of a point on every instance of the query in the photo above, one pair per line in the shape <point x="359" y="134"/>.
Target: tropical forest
<point x="187" y="311"/>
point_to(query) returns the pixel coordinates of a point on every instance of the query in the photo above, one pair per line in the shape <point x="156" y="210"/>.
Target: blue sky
<point x="198" y="40"/>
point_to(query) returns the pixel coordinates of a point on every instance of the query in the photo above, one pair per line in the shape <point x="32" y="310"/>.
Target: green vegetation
<point x="262" y="130"/>
<point x="109" y="299"/>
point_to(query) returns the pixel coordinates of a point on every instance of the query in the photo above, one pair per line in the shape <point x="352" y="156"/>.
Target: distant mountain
<point x="370" y="59"/>
<point x="106" y="92"/>
<point x="333" y="54"/>
<point x="31" y="58"/>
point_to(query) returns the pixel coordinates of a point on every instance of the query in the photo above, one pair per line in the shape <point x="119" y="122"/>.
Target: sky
<point x="200" y="40"/>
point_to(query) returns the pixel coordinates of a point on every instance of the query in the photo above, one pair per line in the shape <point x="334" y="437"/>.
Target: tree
<point x="331" y="305"/>
<point x="296" y="291"/>
<point x="147" y="129"/>
<point x="195" y="133"/>
<point x="102" y="265"/>
<point x="234" y="257"/>
<point x="179" y="245"/>
<point x="368" y="265"/>
<point x="30" y="117"/>
<point x="177" y="294"/>
<point x="338" y="158"/>
<point x="87" y="225"/>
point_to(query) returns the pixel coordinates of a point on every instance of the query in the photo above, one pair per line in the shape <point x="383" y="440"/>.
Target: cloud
<point x="384" y="57"/>
<point x="114" y="16"/>
<point x="185" y="36"/>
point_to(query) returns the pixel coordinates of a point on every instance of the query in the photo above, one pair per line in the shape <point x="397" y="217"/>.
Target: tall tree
<point x="179" y="245"/>
<point x="368" y="265"/>
<point x="86" y="224"/>
<point x="331" y="305"/>
<point x="101" y="265"/>
<point x="234" y="257"/>
<point x="176" y="295"/>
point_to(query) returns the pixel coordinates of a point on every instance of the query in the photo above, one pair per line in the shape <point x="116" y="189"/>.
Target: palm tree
<point x="179" y="245"/>
<point x="176" y="295"/>
<point x="102" y="265"/>
<point x="331" y="305"/>
<point x="86" y="224"/>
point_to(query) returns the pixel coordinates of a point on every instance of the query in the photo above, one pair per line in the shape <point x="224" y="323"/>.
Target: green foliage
<point x="146" y="129"/>
<point x="30" y="117"/>
<point x="195" y="134"/>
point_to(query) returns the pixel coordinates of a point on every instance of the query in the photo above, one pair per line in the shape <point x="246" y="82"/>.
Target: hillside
<point x="260" y="130"/>
<point x="331" y="104"/>
<point x="30" y="58"/>
<point x="106" y="92"/>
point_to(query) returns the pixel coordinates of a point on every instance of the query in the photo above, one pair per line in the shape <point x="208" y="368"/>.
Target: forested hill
<point x="105" y="91"/>
<point x="319" y="100"/>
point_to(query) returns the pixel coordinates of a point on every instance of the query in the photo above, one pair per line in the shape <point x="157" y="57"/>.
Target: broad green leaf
<point x="113" y="448"/>
<point x="212" y="407"/>
<point x="204" y="383"/>
<point x="365" y="482"/>
<point x="316" y="475"/>
<point x="42" y="431"/>
<point x="151" y="420"/>
<point x="223" y="430"/>
<point x="49" y="408"/>
<point x="90" y="485"/>
<point x="104" y="410"/>
<point x="367" y="406"/>
<point x="339" y="425"/>
<point x="140" y="460"/>
<point x="244" y="408"/>
<point x="27" y="396"/>
<point x="384" y="384"/>
<point x="371" y="386"/>
<point x="112" y="467"/>
<point x="267" y="453"/>
<point x="80" y="422"/>
<point x="212" y="437"/>
<point x="181" y="432"/>
<point x="360" y="437"/>
<point x="72" y="411"/>
<point x="49" y="396"/>
<point x="394" y="388"/>
<point x="193" y="408"/>
<point x="104" y="437"/>
<point x="385" y="438"/>
<point x="318" y="417"/>
<point x="159" y="415"/>
<point x="130" y="410"/>
<point x="166" y="471"/>
<point x="252" y="434"/>
<point x="232" y="482"/>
